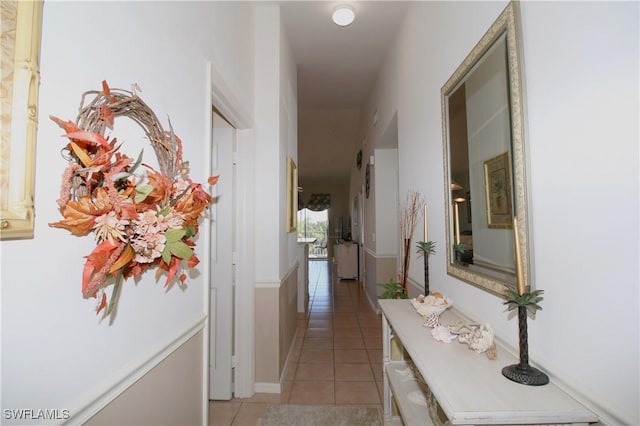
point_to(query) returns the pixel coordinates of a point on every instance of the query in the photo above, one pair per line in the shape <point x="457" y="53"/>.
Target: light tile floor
<point x="337" y="355"/>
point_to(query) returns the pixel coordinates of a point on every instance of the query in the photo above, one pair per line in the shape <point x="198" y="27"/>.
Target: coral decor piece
<point x="141" y="218"/>
<point x="479" y="337"/>
<point x="408" y="219"/>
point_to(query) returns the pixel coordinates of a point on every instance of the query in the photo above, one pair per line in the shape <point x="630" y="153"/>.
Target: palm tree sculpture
<point x="425" y="248"/>
<point x="529" y="301"/>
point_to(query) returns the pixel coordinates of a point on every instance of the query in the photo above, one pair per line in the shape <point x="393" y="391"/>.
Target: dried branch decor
<point x="107" y="104"/>
<point x="408" y="219"/>
<point x="141" y="218"/>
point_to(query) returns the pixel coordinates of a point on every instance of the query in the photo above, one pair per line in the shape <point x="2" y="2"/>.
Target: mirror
<point x="482" y="117"/>
<point x="21" y="29"/>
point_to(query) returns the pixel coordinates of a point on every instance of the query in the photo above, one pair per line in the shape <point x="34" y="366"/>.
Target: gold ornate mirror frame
<point x="505" y="31"/>
<point x="21" y="33"/>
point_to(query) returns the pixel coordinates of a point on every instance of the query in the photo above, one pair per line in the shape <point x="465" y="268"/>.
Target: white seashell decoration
<point x="432" y="321"/>
<point x="417" y="398"/>
<point x="434" y="303"/>
<point x="442" y="334"/>
<point x="479" y="338"/>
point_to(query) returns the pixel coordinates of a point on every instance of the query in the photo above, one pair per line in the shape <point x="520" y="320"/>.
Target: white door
<point x="222" y="280"/>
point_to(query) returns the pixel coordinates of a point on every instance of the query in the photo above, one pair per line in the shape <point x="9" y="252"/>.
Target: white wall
<point x="581" y="79"/>
<point x="276" y="139"/>
<point x="288" y="139"/>
<point x="56" y="353"/>
<point x="275" y="248"/>
<point x="270" y="160"/>
<point x="385" y="176"/>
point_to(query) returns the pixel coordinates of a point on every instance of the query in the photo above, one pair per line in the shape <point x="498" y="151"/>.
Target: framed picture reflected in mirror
<point x="497" y="182"/>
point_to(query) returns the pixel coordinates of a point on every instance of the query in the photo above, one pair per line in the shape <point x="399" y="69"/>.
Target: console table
<point x="430" y="382"/>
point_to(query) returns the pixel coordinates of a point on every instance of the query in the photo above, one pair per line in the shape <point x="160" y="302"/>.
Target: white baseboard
<point x="374" y="303"/>
<point x="261" y="387"/>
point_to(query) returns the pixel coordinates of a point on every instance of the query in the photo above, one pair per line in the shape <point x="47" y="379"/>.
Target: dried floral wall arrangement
<point x="141" y="218"/>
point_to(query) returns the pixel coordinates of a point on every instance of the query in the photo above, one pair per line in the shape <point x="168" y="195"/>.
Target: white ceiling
<point x="337" y="68"/>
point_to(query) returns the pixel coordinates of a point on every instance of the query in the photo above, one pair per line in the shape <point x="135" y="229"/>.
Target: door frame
<point x="222" y="263"/>
<point x="221" y="96"/>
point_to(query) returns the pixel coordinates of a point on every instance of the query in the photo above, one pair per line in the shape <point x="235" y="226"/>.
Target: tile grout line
<point x="331" y="300"/>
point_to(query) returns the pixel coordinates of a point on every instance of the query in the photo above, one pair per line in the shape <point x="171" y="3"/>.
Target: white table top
<point x="471" y="388"/>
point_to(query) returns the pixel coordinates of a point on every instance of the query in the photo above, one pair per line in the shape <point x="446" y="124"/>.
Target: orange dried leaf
<point x="107" y="115"/>
<point x="96" y="138"/>
<point x="96" y="260"/>
<point x="79" y="216"/>
<point x="193" y="261"/>
<point x="159" y="270"/>
<point x="192" y="205"/>
<point x="213" y="180"/>
<point x="103" y="303"/>
<point x="128" y="210"/>
<point x="162" y="187"/>
<point x="173" y="269"/>
<point x="101" y="201"/>
<point x="68" y="126"/>
<point x="126" y="256"/>
<point x="87" y="272"/>
<point x="105" y="88"/>
<point x="77" y="220"/>
<point x="136" y="270"/>
<point x="81" y="154"/>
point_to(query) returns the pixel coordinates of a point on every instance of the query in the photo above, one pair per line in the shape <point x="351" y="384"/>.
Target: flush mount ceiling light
<point x="343" y="15"/>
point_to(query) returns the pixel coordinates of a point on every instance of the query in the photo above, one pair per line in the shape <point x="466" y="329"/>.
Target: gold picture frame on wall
<point x="497" y="185"/>
<point x="21" y="34"/>
<point x="292" y="195"/>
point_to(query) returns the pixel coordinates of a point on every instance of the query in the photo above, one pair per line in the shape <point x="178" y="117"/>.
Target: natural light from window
<point x="314" y="225"/>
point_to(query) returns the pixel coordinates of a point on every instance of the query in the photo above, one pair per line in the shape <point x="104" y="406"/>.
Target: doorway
<point x="314" y="225"/>
<point x="223" y="247"/>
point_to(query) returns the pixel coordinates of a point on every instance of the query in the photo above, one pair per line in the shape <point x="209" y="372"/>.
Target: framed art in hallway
<point x="292" y="195"/>
<point x="497" y="181"/>
<point x="21" y="34"/>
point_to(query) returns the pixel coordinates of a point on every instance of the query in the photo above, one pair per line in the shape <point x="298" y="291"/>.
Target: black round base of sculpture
<point x="525" y="374"/>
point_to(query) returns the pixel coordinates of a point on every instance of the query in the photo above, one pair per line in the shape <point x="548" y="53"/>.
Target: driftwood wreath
<point x="142" y="218"/>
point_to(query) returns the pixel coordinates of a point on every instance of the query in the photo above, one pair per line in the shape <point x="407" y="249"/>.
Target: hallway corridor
<point x="336" y="359"/>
